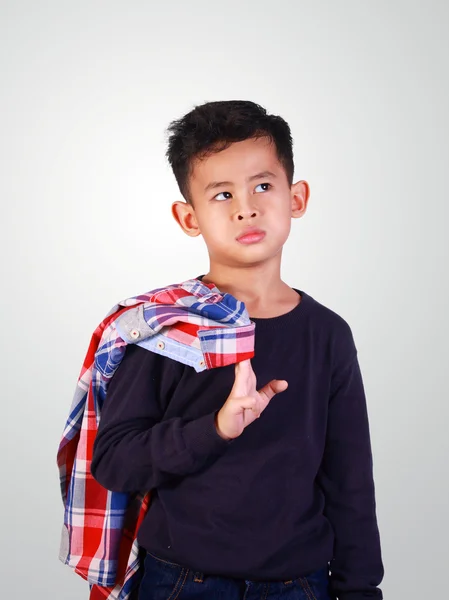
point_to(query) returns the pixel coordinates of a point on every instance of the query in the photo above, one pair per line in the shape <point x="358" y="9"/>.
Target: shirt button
<point x="161" y="345"/>
<point x="134" y="333"/>
<point x="202" y="363"/>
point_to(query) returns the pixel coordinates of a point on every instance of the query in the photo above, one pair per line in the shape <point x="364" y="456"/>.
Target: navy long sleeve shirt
<point x="292" y="493"/>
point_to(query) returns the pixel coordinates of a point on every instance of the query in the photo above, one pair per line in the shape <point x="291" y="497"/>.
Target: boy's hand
<point x="245" y="404"/>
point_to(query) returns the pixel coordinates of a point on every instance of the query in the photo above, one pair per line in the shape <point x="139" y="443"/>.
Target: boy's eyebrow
<point x="215" y="184"/>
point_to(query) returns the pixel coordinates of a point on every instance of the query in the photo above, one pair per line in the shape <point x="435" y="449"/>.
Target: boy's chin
<point x="245" y="260"/>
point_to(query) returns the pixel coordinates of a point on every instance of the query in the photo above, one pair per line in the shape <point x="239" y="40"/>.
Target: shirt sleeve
<point x="346" y="477"/>
<point x="135" y="449"/>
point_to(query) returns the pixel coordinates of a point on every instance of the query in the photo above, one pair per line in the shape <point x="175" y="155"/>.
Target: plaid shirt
<point x="191" y="322"/>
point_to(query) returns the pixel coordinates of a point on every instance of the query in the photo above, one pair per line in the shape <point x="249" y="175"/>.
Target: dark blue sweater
<point x="292" y="493"/>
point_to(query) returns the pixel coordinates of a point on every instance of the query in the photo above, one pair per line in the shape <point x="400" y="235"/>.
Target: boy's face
<point x="242" y="190"/>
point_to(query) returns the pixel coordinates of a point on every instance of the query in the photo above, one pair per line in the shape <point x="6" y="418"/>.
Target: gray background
<point x="87" y="89"/>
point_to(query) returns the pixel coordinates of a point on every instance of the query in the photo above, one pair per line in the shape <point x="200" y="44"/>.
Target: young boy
<point x="261" y="473"/>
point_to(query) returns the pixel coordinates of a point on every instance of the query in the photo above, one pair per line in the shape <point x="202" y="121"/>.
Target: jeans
<point x="163" y="580"/>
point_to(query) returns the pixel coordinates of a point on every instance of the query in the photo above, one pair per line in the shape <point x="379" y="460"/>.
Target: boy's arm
<point x="346" y="476"/>
<point x="134" y="449"/>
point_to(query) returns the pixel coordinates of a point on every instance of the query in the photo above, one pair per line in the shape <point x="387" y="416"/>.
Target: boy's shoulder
<point x="325" y="313"/>
<point x="327" y="321"/>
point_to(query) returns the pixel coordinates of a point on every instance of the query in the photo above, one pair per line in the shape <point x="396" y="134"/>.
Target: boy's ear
<point x="184" y="215"/>
<point x="300" y="192"/>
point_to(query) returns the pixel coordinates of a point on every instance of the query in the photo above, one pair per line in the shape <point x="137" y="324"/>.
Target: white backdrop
<point x="87" y="90"/>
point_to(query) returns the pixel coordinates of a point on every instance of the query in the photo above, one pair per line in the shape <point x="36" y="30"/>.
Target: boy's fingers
<point x="242" y="371"/>
<point x="243" y="366"/>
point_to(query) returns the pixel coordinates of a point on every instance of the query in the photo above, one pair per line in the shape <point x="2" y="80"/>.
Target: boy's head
<point x="213" y="127"/>
<point x="234" y="166"/>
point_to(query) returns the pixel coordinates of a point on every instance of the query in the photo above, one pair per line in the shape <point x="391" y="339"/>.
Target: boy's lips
<point x="251" y="236"/>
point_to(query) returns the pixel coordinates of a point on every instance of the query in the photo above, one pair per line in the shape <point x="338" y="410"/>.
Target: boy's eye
<point x="264" y="184"/>
<point x="229" y="193"/>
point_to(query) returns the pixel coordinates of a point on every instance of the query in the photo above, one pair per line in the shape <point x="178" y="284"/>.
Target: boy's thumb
<point x="281" y="385"/>
<point x="276" y="386"/>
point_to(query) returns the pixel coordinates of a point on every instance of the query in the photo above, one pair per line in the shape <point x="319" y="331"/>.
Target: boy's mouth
<point x="251" y="236"/>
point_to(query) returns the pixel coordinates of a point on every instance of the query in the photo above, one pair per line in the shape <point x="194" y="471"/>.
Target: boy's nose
<point x="246" y="215"/>
<point x="246" y="210"/>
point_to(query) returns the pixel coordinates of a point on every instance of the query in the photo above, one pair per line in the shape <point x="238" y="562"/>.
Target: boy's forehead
<point x="239" y="160"/>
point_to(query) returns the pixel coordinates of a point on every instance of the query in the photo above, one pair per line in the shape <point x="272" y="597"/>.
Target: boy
<point x="261" y="473"/>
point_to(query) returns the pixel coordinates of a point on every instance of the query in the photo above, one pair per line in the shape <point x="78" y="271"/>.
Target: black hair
<point x="213" y="126"/>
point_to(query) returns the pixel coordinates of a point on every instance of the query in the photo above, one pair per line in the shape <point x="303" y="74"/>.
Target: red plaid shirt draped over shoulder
<point x="198" y="326"/>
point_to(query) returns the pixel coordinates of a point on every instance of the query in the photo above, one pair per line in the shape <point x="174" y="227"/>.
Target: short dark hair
<point x="214" y="126"/>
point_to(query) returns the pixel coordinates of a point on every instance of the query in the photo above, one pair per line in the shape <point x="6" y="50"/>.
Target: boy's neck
<point x="260" y="288"/>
